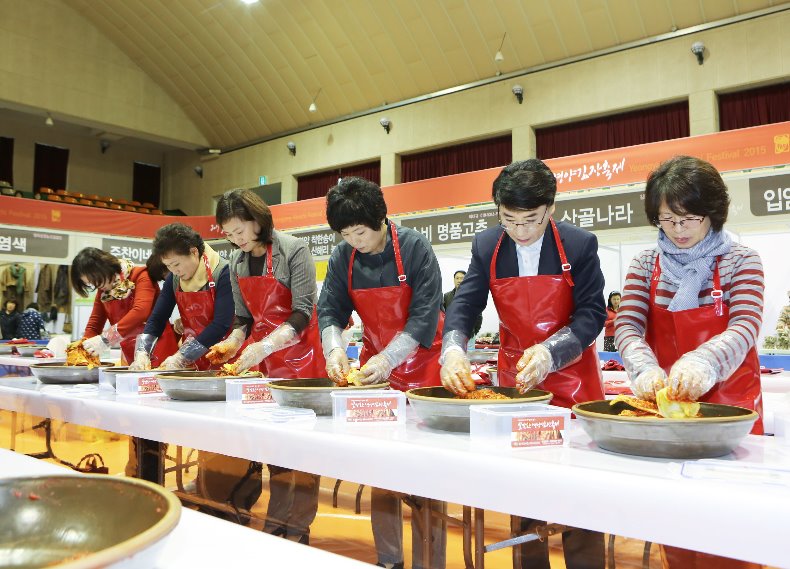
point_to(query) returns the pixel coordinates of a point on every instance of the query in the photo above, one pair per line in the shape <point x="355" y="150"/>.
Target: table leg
<point x="480" y="530"/>
<point x="150" y="462"/>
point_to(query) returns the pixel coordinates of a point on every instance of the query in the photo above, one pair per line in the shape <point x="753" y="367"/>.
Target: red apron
<point x="166" y="345"/>
<point x="384" y="312"/>
<point x="197" y="312"/>
<point x="672" y="334"/>
<point x="530" y="310"/>
<point x="269" y="303"/>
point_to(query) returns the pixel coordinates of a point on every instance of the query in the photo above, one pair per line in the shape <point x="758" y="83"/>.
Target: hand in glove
<point x="533" y="367"/>
<point x="691" y="377"/>
<point x="178" y="327"/>
<point x="252" y="355"/>
<point x="376" y="370"/>
<point x="223" y="351"/>
<point x="176" y="361"/>
<point x="95" y="346"/>
<point x="337" y="367"/>
<point x="141" y="362"/>
<point x="456" y="372"/>
<point x="646" y="384"/>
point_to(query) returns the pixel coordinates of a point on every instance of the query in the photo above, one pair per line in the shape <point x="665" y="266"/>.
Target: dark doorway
<point x="51" y="166"/>
<point x="147" y="183"/>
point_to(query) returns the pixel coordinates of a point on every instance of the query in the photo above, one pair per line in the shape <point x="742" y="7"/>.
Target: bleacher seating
<point x="95" y="200"/>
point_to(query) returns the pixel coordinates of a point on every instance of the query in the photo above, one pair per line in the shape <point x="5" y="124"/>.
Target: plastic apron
<point x="384" y="312"/>
<point x="197" y="311"/>
<point x="166" y="345"/>
<point x="269" y="303"/>
<point x="672" y="334"/>
<point x="530" y="310"/>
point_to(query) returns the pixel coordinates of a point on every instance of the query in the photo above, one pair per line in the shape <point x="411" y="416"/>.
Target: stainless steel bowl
<point x="439" y="408"/>
<point x="28" y="350"/>
<point x="59" y="373"/>
<point x="109" y="375"/>
<point x="716" y="433"/>
<point x="313" y="393"/>
<point x="196" y="385"/>
<point x="482" y="356"/>
<point x="72" y="522"/>
<point x="6" y="349"/>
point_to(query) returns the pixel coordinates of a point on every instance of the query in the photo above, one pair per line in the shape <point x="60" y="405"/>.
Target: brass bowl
<point x="717" y="432"/>
<point x="59" y="373"/>
<point x="439" y="408"/>
<point x="207" y="385"/>
<point x="312" y="393"/>
<point x="82" y="522"/>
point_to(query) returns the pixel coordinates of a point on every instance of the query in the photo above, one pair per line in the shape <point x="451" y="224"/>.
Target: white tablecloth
<point x="203" y="541"/>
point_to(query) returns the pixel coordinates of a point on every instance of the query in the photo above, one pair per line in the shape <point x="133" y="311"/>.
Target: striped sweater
<point x="741" y="273"/>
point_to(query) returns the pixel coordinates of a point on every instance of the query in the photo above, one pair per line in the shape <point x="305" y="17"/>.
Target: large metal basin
<point x="312" y="393"/>
<point x="58" y="373"/>
<point x="482" y="356"/>
<point x="716" y="433"/>
<point x="81" y="522"/>
<point x="110" y="375"/>
<point x="439" y="409"/>
<point x="206" y="385"/>
<point x="28" y="350"/>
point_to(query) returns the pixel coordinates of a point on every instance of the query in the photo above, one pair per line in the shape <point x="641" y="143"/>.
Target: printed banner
<point x="769" y="195"/>
<point x="33" y="243"/>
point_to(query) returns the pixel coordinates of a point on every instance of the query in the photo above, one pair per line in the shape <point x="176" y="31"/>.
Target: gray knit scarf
<point x="690" y="269"/>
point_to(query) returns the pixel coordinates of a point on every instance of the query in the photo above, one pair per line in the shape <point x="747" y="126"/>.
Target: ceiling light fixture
<point x="248" y="2"/>
<point x="498" y="57"/>
<point x="312" y="108"/>
<point x="386" y="123"/>
<point x="48" y="121"/>
<point x="291" y="147"/>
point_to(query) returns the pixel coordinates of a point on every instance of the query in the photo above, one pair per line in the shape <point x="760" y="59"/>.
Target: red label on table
<point x="537" y="431"/>
<point x="371" y="409"/>
<point x="256" y="393"/>
<point x="148" y="385"/>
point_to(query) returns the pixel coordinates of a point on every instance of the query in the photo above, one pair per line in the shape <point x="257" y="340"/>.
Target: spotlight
<point x="312" y="108"/>
<point x="385" y="122"/>
<point x="291" y="147"/>
<point x="198" y="171"/>
<point x="104" y="145"/>
<point x="48" y="121"/>
<point x="698" y="49"/>
<point x="518" y="91"/>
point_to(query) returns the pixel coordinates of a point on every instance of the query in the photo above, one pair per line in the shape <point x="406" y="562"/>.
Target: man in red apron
<point x="274" y="289"/>
<point x="391" y="277"/>
<point x="547" y="285"/>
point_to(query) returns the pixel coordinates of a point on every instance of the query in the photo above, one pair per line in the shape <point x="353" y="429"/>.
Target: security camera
<point x="698" y="49"/>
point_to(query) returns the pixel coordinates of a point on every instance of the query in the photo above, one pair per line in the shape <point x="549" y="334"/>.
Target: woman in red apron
<point x="125" y="297"/>
<point x="546" y="282"/>
<point x="274" y="287"/>
<point x="692" y="307"/>
<point x="199" y="283"/>
<point x="391" y="277"/>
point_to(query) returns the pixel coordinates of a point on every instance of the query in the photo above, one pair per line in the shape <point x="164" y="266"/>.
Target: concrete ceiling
<point x="245" y="72"/>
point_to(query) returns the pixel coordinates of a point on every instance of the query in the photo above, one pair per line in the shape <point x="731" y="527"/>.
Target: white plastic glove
<point x="280" y="338"/>
<point x="650" y="380"/>
<point x="337" y="367"/>
<point x="691" y="377"/>
<point x="223" y="351"/>
<point x="142" y="362"/>
<point x="376" y="370"/>
<point x="456" y="372"/>
<point x="176" y="361"/>
<point x="533" y="367"/>
<point x="96" y="345"/>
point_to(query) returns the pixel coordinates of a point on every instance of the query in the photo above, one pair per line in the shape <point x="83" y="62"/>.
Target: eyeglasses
<point x="90" y="287"/>
<point x="690" y="222"/>
<point x="525" y="224"/>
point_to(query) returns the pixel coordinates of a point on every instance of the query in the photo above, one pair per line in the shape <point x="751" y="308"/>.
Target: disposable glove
<point x="456" y="373"/>
<point x="376" y="370"/>
<point x="379" y="367"/>
<point x="143" y="346"/>
<point x="187" y="354"/>
<point x="691" y="377"/>
<point x="142" y="362"/>
<point x="337" y="367"/>
<point x="176" y="361"/>
<point x="178" y="327"/>
<point x="650" y="380"/>
<point x="96" y="345"/>
<point x="533" y="367"/>
<point x="284" y="336"/>
<point x="223" y="351"/>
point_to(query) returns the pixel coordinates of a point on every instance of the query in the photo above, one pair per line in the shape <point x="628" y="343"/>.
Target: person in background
<point x="391" y="277"/>
<point x="692" y="306"/>
<point x="125" y="297"/>
<point x="199" y="283"/>
<point x="783" y="322"/>
<point x="274" y="292"/>
<point x="9" y="320"/>
<point x="31" y="323"/>
<point x="612" y="305"/>
<point x="458" y="278"/>
<point x="546" y="281"/>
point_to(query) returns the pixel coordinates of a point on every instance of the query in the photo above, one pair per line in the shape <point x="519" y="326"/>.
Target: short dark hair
<point x="609" y="300"/>
<point x="355" y="201"/>
<point x="11" y="301"/>
<point x="688" y="185"/>
<point x="178" y="239"/>
<point x="247" y="206"/>
<point x="32" y="305"/>
<point x="94" y="264"/>
<point x="527" y="184"/>
<point x="456" y="272"/>
<point x="157" y="270"/>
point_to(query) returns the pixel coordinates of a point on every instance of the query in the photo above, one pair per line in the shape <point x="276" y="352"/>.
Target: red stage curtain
<point x="7" y="160"/>
<point x="615" y="131"/>
<point x="50" y="169"/>
<point x="468" y="157"/>
<point x="754" y="107"/>
<point x="317" y="185"/>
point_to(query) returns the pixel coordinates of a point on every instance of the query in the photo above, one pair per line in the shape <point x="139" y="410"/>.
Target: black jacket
<point x="9" y="323"/>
